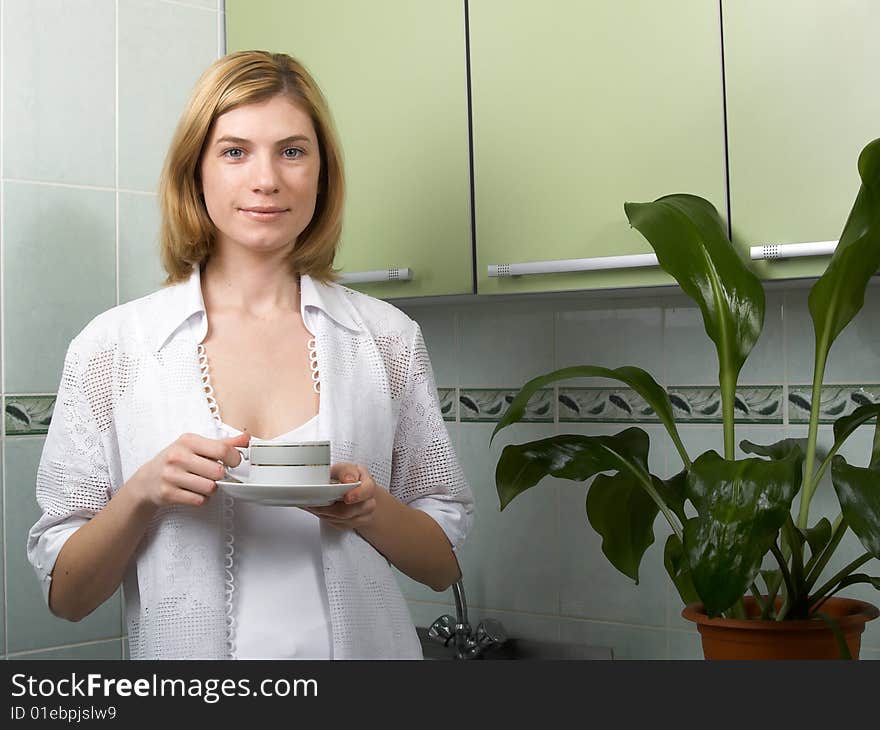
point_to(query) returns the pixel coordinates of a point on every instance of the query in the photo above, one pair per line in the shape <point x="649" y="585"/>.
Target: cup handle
<point x="235" y="472"/>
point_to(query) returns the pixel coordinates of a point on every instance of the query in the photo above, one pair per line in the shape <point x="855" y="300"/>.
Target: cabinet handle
<point x="379" y="275"/>
<point x="629" y="261"/>
<point x="792" y="250"/>
<point x="564" y="265"/>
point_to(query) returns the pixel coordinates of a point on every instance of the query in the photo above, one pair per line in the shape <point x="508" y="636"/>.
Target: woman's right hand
<point x="186" y="472"/>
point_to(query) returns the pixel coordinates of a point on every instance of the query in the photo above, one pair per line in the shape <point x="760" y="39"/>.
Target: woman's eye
<point x="292" y="153"/>
<point x="234" y="153"/>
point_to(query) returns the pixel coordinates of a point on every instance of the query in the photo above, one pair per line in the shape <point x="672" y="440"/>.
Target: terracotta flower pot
<point x="807" y="639"/>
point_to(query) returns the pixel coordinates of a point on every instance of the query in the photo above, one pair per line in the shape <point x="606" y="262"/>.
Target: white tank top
<point x="280" y="601"/>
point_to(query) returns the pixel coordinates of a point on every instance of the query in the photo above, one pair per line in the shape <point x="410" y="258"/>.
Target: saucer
<point x="286" y="495"/>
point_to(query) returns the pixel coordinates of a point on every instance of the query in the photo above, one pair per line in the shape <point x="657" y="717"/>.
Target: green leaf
<point x="741" y="505"/>
<point x="832" y="624"/>
<point x="858" y="491"/>
<point x="818" y="535"/>
<point x="777" y="450"/>
<point x="843" y="427"/>
<point x="621" y="511"/>
<point x="570" y="456"/>
<point x="857" y="578"/>
<point x="636" y="378"/>
<point x="839" y="293"/>
<point x="679" y="570"/>
<point x="875" y="449"/>
<point x="772" y="578"/>
<point x="673" y="491"/>
<point x="691" y="244"/>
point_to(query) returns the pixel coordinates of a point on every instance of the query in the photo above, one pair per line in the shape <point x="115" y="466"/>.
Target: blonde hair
<point x="187" y="234"/>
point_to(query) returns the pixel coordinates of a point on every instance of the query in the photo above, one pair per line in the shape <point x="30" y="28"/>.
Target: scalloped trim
<point x="228" y="512"/>
<point x="313" y="364"/>
<point x="206" y="382"/>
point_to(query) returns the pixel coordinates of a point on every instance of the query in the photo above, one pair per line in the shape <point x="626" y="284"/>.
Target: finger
<point x="213" y="449"/>
<point x="361" y="493"/>
<point x="185" y="498"/>
<point x="240" y="439"/>
<point x="233" y="456"/>
<point x="344" y="471"/>
<point x="189" y="482"/>
<point x="195" y="464"/>
<point x="347" y="512"/>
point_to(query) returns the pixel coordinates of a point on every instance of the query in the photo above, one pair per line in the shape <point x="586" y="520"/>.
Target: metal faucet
<point x="468" y="644"/>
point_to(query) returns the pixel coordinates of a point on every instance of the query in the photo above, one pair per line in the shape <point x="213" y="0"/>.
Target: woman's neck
<point x="261" y="287"/>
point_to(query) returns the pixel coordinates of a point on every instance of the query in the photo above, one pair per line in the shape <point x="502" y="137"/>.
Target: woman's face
<point x="259" y="175"/>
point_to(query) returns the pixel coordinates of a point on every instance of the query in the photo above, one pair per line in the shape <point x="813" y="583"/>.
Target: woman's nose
<point x="264" y="175"/>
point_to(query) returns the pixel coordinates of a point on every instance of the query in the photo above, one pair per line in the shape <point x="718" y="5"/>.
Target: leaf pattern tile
<point x="753" y="404"/>
<point x="448" y="403"/>
<point x="484" y="404"/>
<point x="836" y="401"/>
<point x="27" y="415"/>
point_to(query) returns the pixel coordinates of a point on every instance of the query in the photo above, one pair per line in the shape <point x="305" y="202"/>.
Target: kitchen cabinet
<point x="394" y="74"/>
<point x="576" y="108"/>
<point x="802" y="102"/>
<point x="579" y="107"/>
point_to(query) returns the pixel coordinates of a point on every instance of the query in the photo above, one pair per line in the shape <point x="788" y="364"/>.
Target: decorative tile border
<point x="27" y="415"/>
<point x="579" y="405"/>
<point x="479" y="405"/>
<point x="837" y="401"/>
<point x="448" y="403"/>
<point x="754" y="404"/>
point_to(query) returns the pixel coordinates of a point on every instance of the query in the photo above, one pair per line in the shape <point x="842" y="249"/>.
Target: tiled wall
<point x="538" y="567"/>
<point x="90" y="91"/>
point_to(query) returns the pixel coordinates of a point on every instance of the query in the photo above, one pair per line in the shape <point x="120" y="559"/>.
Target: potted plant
<point x="732" y="517"/>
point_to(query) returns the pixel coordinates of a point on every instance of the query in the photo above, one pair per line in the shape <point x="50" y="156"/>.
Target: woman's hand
<point x="357" y="508"/>
<point x="186" y="472"/>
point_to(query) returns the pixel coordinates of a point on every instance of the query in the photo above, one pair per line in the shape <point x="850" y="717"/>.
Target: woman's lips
<point x="262" y="215"/>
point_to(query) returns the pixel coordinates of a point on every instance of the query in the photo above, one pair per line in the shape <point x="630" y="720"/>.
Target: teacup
<point x="284" y="462"/>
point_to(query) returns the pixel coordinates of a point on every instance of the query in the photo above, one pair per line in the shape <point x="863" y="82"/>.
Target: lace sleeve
<point x="425" y="472"/>
<point x="73" y="479"/>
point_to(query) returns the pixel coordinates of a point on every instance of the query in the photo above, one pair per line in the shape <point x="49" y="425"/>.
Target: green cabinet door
<point x="802" y="101"/>
<point x="579" y="107"/>
<point x="394" y="74"/>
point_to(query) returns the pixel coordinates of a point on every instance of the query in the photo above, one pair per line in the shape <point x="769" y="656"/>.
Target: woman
<point x="251" y="336"/>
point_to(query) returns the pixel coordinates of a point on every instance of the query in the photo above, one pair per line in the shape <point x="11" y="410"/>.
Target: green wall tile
<point x="589" y="586"/>
<point x="101" y="650"/>
<point x="59" y="94"/>
<point x="60" y="263"/>
<point x="140" y="268"/>
<point x="511" y="559"/>
<point x="30" y="624"/>
<point x="163" y="49"/>
<point x="855" y="353"/>
<point x="505" y="346"/>
<point x="625" y="641"/>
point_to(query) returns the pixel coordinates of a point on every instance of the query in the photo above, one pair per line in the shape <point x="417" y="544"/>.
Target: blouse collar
<point x="184" y="301"/>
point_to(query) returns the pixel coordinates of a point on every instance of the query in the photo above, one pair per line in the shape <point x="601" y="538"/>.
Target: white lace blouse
<point x="131" y="385"/>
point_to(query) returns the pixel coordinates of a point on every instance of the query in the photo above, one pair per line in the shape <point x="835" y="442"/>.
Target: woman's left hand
<point x="357" y="508"/>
